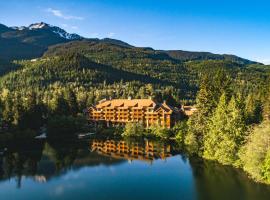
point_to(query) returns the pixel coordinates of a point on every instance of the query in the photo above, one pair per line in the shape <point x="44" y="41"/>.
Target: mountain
<point x="33" y="41"/>
<point x="4" y="28"/>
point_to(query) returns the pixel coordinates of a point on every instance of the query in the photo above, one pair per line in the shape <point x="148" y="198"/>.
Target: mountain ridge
<point x="28" y="42"/>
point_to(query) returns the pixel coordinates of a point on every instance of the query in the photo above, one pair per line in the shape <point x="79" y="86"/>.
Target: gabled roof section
<point x="165" y="107"/>
<point x="127" y="103"/>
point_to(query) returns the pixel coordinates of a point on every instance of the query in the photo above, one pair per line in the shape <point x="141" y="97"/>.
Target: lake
<point x="107" y="169"/>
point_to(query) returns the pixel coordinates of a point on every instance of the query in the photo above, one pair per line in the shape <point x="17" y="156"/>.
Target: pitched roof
<point x="127" y="103"/>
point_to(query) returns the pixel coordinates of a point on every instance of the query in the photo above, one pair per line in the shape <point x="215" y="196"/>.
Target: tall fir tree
<point x="217" y="126"/>
<point x="198" y="123"/>
<point x="226" y="132"/>
<point x="71" y="100"/>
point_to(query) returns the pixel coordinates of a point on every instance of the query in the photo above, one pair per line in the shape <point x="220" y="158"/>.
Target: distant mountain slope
<point x="189" y="55"/>
<point x="66" y="69"/>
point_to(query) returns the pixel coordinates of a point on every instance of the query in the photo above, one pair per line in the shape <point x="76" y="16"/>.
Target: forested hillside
<point x="188" y="55"/>
<point x="84" y="72"/>
<point x="76" y="72"/>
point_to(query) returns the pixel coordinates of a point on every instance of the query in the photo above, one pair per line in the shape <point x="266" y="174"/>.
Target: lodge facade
<point x="121" y="111"/>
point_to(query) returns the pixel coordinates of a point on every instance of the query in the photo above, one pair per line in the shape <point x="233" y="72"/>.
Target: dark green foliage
<point x="61" y="127"/>
<point x="253" y="108"/>
<point x="158" y="131"/>
<point x="180" y="129"/>
<point x="187" y="55"/>
<point x="72" y="102"/>
<point x="59" y="105"/>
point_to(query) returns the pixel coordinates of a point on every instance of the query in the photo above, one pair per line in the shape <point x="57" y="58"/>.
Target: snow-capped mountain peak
<point x="38" y="25"/>
<point x="48" y="28"/>
<point x="62" y="33"/>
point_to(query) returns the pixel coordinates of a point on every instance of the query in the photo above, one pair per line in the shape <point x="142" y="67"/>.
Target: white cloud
<point x="60" y="14"/>
<point x="111" y="34"/>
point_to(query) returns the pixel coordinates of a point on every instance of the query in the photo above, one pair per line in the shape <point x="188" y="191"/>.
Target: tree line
<point x="230" y="127"/>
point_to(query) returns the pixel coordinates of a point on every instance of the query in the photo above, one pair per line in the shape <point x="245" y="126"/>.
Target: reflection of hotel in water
<point x="148" y="151"/>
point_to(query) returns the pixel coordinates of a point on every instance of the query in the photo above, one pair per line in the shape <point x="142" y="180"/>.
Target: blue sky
<point x="225" y="26"/>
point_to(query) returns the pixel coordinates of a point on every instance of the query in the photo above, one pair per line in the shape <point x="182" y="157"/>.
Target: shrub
<point x="159" y="131"/>
<point x="133" y="129"/>
<point x="255" y="156"/>
<point x="180" y="130"/>
<point x="191" y="143"/>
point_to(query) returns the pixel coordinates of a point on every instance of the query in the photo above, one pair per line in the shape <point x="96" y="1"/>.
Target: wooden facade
<point x="121" y="111"/>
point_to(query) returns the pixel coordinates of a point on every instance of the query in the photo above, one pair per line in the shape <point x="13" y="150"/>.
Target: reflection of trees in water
<point x="21" y="159"/>
<point x="41" y="161"/>
<point x="214" y="181"/>
<point x="61" y="154"/>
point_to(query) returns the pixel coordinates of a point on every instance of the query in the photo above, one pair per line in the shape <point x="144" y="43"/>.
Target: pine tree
<point x="253" y="110"/>
<point x="236" y="122"/>
<point x="198" y="123"/>
<point x="217" y="128"/>
<point x="18" y="109"/>
<point x="7" y="110"/>
<point x="226" y="132"/>
<point x="72" y="102"/>
<point x="59" y="105"/>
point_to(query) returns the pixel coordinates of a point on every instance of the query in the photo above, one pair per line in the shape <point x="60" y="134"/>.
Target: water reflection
<point x="131" y="150"/>
<point x="114" y="169"/>
<point x="214" y="181"/>
<point x="43" y="160"/>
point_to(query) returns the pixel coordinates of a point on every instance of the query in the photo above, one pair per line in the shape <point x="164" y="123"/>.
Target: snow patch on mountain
<point x="18" y="28"/>
<point x="62" y="33"/>
<point x="37" y="25"/>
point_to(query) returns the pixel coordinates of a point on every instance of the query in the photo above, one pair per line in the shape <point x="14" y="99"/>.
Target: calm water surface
<point x="109" y="169"/>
